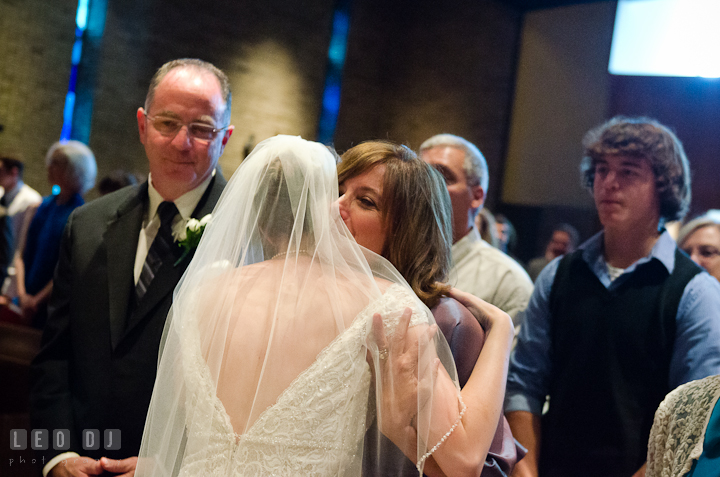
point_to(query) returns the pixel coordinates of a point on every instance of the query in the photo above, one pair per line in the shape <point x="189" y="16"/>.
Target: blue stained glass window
<point x="333" y="77"/>
<point x="80" y="25"/>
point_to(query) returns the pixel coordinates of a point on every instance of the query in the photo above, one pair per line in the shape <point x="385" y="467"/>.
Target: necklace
<point x="282" y="254"/>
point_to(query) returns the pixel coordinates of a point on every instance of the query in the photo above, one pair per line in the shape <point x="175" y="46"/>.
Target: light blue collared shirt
<point x="696" y="352"/>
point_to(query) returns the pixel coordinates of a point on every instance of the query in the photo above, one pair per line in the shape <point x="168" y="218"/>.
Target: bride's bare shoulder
<point x="228" y="277"/>
<point x="383" y="284"/>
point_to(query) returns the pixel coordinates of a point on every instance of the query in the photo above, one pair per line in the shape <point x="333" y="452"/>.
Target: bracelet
<point x="422" y="460"/>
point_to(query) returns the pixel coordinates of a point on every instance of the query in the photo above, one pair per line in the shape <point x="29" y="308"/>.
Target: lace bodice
<point x="678" y="432"/>
<point x="318" y="423"/>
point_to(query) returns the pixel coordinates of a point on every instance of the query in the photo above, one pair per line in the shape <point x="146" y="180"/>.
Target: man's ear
<point x="142" y="124"/>
<point x="478" y="197"/>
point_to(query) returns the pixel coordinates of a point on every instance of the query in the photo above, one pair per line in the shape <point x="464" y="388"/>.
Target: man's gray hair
<point x="81" y="166"/>
<point x="475" y="166"/>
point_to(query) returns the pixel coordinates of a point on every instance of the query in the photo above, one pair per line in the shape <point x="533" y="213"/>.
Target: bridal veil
<point x="265" y="363"/>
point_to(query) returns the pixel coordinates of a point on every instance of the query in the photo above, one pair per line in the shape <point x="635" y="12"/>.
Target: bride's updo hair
<point x="275" y="212"/>
<point x="416" y="208"/>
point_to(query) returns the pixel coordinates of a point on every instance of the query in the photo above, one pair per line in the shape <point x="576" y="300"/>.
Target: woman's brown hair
<point x="416" y="208"/>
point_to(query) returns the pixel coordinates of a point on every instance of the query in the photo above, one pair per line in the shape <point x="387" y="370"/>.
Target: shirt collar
<point x="10" y="194"/>
<point x="465" y="245"/>
<point x="185" y="204"/>
<point x="663" y="250"/>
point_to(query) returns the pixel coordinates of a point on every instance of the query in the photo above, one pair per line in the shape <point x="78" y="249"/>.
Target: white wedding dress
<point x="263" y="365"/>
<point x="317" y="424"/>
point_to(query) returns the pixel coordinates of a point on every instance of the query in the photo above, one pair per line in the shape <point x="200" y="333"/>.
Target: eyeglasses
<point x="705" y="251"/>
<point x="169" y="127"/>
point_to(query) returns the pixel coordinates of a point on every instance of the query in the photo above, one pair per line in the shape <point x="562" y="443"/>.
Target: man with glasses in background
<point x="119" y="263"/>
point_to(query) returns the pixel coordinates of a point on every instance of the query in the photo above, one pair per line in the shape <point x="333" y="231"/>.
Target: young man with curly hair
<point x="614" y="326"/>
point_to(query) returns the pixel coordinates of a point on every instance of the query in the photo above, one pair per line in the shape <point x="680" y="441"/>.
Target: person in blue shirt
<point x="71" y="170"/>
<point x="614" y="326"/>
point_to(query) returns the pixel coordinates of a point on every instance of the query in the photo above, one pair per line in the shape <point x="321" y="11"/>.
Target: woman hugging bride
<point x="287" y="340"/>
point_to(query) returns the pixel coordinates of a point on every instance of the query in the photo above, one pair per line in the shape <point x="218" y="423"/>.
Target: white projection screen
<point x="666" y="38"/>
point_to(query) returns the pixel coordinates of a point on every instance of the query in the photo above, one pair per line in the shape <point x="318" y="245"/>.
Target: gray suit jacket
<point x="97" y="365"/>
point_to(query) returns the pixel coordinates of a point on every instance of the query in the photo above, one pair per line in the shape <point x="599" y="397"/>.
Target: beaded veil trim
<point x="422" y="460"/>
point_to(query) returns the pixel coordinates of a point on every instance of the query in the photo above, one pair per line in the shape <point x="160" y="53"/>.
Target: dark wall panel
<point x="689" y="106"/>
<point x="415" y="69"/>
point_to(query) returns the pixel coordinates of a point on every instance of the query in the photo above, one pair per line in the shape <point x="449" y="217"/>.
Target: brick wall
<point x="422" y="68"/>
<point x="36" y="40"/>
<point x="274" y="53"/>
<point x="413" y="69"/>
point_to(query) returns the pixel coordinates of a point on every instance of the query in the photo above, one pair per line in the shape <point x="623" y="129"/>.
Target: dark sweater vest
<point x="610" y="357"/>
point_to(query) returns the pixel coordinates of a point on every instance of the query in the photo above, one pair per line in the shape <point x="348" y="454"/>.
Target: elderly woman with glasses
<point x="700" y="238"/>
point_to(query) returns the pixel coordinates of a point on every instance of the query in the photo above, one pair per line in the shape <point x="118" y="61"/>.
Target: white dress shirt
<point x="185" y="204"/>
<point x="486" y="272"/>
<point x="18" y="200"/>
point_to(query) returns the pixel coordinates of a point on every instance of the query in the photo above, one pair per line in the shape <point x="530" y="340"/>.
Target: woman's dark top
<point x="42" y="247"/>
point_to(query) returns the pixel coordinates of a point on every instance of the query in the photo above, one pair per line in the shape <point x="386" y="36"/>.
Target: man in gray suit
<point x="117" y="270"/>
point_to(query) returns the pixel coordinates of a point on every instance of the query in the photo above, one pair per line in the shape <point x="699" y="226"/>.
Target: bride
<point x="269" y="355"/>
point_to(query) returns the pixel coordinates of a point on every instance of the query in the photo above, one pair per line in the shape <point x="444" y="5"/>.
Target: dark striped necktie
<point x="160" y="249"/>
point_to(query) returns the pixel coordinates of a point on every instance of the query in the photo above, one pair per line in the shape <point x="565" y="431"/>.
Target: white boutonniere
<point x="187" y="234"/>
